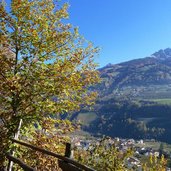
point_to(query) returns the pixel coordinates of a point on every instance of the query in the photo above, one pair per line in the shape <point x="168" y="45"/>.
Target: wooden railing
<point x="65" y="163"/>
<point x="20" y="163"/>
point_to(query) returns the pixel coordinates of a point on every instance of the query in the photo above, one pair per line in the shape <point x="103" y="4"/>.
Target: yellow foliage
<point x="46" y="67"/>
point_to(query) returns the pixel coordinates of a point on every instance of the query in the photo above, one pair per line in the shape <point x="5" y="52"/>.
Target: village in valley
<point x="142" y="149"/>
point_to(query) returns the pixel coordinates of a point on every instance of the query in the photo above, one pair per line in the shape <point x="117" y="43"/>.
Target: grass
<point x="86" y="118"/>
<point x="162" y="101"/>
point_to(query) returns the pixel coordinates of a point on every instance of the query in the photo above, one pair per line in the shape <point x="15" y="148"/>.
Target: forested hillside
<point x="134" y="99"/>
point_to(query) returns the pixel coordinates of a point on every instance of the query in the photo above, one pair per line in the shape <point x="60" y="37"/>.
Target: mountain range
<point x="138" y="76"/>
<point x="134" y="99"/>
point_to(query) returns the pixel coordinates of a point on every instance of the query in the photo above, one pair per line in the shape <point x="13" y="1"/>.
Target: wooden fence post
<point x="68" y="150"/>
<point x="10" y="164"/>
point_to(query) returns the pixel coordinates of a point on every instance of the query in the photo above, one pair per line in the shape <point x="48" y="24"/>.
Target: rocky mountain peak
<point x="162" y="54"/>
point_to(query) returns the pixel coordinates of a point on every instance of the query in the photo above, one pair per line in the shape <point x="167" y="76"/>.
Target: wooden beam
<point x="67" y="166"/>
<point x="66" y="159"/>
<point x="20" y="163"/>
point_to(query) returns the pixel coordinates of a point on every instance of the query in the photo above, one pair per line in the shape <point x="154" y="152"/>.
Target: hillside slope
<point x="134" y="99"/>
<point x="139" y="76"/>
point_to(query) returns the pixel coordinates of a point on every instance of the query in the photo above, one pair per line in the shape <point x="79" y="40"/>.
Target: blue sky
<point x="124" y="29"/>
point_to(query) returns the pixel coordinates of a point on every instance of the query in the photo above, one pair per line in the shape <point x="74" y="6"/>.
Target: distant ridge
<point x="153" y="70"/>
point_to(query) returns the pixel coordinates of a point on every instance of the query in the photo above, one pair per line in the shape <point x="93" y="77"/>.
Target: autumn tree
<point x="155" y="163"/>
<point x="46" y="67"/>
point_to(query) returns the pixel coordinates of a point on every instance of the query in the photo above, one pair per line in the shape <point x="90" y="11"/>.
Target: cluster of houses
<point x="122" y="145"/>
